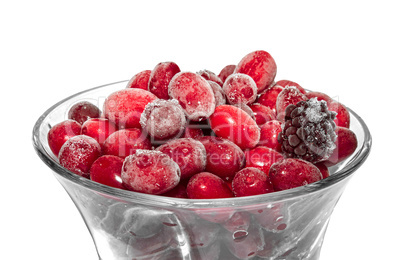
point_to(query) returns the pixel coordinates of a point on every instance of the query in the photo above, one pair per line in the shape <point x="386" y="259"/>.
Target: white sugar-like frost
<point x="313" y="111"/>
<point x="139" y="152"/>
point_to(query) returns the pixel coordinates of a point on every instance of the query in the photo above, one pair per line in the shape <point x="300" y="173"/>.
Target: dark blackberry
<point x="309" y="131"/>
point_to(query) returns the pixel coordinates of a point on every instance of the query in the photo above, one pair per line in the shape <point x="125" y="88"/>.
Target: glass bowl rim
<point x="156" y="200"/>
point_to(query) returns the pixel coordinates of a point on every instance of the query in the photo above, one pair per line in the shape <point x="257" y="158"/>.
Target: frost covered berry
<point x="309" y="131"/>
<point x="163" y="119"/>
<point x="291" y="173"/>
<point x="151" y="172"/>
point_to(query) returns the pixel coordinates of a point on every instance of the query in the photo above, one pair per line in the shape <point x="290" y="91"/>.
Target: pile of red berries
<point x="202" y="136"/>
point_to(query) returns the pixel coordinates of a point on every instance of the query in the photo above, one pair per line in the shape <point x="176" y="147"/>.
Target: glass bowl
<point x="127" y="225"/>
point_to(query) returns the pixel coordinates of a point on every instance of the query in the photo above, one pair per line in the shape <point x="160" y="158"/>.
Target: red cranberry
<point x="60" y="133"/>
<point x="78" y="153"/>
<point x="289" y="95"/>
<point x="346" y="144"/>
<point x="287" y="83"/>
<point x="180" y="191"/>
<point x="269" y="97"/>
<point x="224" y="158"/>
<point x="205" y="185"/>
<point x="124" y="142"/>
<point x="262" y="113"/>
<point x="262" y="158"/>
<point x="151" y="172"/>
<point x="320" y="96"/>
<point x="163" y="119"/>
<point x="98" y="128"/>
<point x="323" y="169"/>
<point x="124" y="107"/>
<point x="107" y="170"/>
<point x="209" y="75"/>
<point x="140" y="80"/>
<point x="269" y="135"/>
<point x="239" y="221"/>
<point x="193" y="132"/>
<point x="240" y="88"/>
<point x="82" y="111"/>
<point x="226" y="71"/>
<point x="236" y="125"/>
<point x="188" y="153"/>
<point x="273" y="218"/>
<point x="220" y="98"/>
<point x="203" y="125"/>
<point x="342" y="114"/>
<point x="246" y="109"/>
<point x="160" y="78"/>
<point x="260" y="66"/>
<point x="229" y="183"/>
<point x="291" y="173"/>
<point x="194" y="94"/>
<point x="251" y="181"/>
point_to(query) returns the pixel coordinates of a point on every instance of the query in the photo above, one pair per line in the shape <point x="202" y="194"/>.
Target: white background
<point x="53" y="49"/>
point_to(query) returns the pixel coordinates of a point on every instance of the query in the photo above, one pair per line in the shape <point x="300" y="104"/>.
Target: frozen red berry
<point x="163" y="119"/>
<point x="287" y="83"/>
<point x="262" y="158"/>
<point x="188" y="153"/>
<point x="323" y="169"/>
<point x="194" y="94"/>
<point x="193" y="132"/>
<point x="205" y="185"/>
<point x="262" y="114"/>
<point x="209" y="75"/>
<point x="291" y="173"/>
<point x="98" y="128"/>
<point x="240" y="88"/>
<point x="78" y="153"/>
<point x="269" y="97"/>
<point x="246" y="109"/>
<point x="226" y="71"/>
<point x="251" y="181"/>
<point x="288" y="96"/>
<point x="269" y="135"/>
<point x="224" y="158"/>
<point x="238" y="222"/>
<point x="140" y="80"/>
<point x="180" y="191"/>
<point x="60" y="133"/>
<point x="236" y="125"/>
<point x="82" y="111"/>
<point x="346" y="143"/>
<point x="107" y="170"/>
<point x="342" y="114"/>
<point x="124" y="142"/>
<point x="273" y="218"/>
<point x="220" y="97"/>
<point x="124" y="107"/>
<point x="160" y="78"/>
<point x="151" y="172"/>
<point x="309" y="131"/>
<point x="260" y="66"/>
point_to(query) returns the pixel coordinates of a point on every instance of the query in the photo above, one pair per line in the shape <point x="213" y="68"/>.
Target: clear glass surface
<point x="127" y="225"/>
